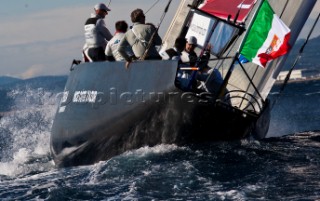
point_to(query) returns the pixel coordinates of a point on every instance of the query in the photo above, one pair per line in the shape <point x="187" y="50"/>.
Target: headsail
<point x="236" y="9"/>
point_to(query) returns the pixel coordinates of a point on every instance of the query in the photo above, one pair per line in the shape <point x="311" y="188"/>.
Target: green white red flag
<point x="268" y="37"/>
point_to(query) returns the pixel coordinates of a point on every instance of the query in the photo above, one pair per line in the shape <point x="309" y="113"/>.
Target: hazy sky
<point x="43" y="37"/>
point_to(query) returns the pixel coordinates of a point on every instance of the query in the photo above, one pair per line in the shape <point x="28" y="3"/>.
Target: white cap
<point x="101" y="6"/>
<point x="192" y="40"/>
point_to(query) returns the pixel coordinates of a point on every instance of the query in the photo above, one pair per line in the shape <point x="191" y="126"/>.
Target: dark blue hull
<point x="89" y="127"/>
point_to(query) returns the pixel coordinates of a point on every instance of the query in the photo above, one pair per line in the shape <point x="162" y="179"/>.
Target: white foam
<point x="15" y="166"/>
<point x="159" y="149"/>
<point x="231" y="194"/>
<point x="314" y="93"/>
<point x="28" y="125"/>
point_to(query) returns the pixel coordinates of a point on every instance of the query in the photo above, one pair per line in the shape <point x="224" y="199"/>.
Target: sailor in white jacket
<point x="96" y="34"/>
<point x="111" y="51"/>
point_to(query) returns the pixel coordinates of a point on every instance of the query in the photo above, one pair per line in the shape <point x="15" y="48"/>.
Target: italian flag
<point x="267" y="38"/>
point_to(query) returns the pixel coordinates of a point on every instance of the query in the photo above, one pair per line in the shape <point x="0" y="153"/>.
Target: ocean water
<point x="285" y="166"/>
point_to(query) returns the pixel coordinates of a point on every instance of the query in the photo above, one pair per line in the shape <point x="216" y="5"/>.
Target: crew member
<point x="96" y="34"/>
<point x="138" y="38"/>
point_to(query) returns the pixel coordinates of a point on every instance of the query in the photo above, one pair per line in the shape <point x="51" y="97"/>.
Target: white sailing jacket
<point x="112" y="47"/>
<point x="96" y="33"/>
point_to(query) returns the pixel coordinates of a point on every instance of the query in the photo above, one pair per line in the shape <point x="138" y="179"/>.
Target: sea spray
<point x="25" y="132"/>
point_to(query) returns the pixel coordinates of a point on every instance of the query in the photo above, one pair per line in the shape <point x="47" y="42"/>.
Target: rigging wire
<point x="153" y="5"/>
<point x="257" y="66"/>
<point x="295" y="62"/>
<point x="238" y="13"/>
<point x="229" y="72"/>
<point x="285" y="7"/>
<point x="156" y="32"/>
<point x="109" y="3"/>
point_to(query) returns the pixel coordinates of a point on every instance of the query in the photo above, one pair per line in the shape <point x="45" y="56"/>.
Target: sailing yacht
<point x="106" y="109"/>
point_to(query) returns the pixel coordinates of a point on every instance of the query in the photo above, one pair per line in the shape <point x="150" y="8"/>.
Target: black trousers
<point x="96" y="54"/>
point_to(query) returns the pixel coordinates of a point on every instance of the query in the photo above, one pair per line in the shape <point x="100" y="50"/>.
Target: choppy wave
<point x="274" y="169"/>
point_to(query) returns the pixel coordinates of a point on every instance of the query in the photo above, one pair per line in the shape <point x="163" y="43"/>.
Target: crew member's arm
<point x="123" y="45"/>
<point x="101" y="26"/>
<point x="108" y="53"/>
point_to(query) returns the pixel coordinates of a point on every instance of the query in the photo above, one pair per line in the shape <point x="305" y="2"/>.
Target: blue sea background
<point x="285" y="166"/>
